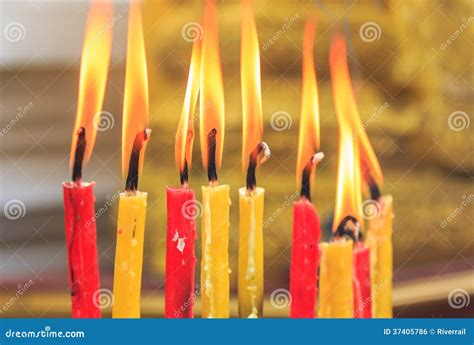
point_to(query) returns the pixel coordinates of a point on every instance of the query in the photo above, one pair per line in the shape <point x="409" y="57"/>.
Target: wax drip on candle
<point x="131" y="184"/>
<point x="306" y="176"/>
<point x="251" y="179"/>
<point x="211" y="154"/>
<point x="79" y="155"/>
<point x="349" y="226"/>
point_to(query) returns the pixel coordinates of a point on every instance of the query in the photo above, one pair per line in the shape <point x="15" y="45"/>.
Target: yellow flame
<point x="93" y="75"/>
<point x="135" y="107"/>
<point x="185" y="133"/>
<point x="349" y="188"/>
<point x="250" y="83"/>
<point x="308" y="142"/>
<point x="212" y="92"/>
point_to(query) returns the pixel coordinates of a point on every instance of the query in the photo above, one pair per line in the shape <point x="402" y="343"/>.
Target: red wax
<point x="81" y="245"/>
<point x="304" y="259"/>
<point x="180" y="260"/>
<point x="362" y="290"/>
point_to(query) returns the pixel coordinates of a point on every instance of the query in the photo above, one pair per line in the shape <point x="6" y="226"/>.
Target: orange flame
<point x="349" y="186"/>
<point x="185" y="133"/>
<point x="93" y="75"/>
<point x="135" y="107"/>
<point x="340" y="70"/>
<point x="250" y="80"/>
<point x="212" y="92"/>
<point x="308" y="143"/>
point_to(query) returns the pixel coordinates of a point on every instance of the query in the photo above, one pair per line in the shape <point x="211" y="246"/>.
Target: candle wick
<point x="131" y="184"/>
<point x="253" y="159"/>
<point x="79" y="155"/>
<point x="349" y="226"/>
<point x="306" y="175"/>
<point x="211" y="157"/>
<point x="183" y="175"/>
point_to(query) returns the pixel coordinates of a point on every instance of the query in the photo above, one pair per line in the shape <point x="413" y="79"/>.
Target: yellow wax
<point x="129" y="255"/>
<point x="251" y="253"/>
<point x="336" y="295"/>
<point x="379" y="239"/>
<point x="215" y="252"/>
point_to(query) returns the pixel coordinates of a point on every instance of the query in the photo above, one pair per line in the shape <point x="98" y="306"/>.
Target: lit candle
<point x="251" y="198"/>
<point x="306" y="225"/>
<point x="181" y="208"/>
<point x="132" y="203"/>
<point x="215" y="198"/>
<point x="79" y="199"/>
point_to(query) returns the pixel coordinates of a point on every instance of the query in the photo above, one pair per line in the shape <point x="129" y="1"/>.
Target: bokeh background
<point x="411" y="64"/>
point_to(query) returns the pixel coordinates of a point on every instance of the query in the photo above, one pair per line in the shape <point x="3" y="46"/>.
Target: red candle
<point x="81" y="238"/>
<point x="362" y="290"/>
<point x="180" y="260"/>
<point x="304" y="259"/>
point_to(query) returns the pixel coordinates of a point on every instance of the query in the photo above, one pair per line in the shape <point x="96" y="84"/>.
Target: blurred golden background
<point x="411" y="67"/>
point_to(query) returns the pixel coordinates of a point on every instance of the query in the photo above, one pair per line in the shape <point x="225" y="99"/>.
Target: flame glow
<point x="135" y="107"/>
<point x="212" y="92"/>
<point x="185" y="132"/>
<point x="308" y="143"/>
<point x="93" y="75"/>
<point x="349" y="186"/>
<point x="250" y="81"/>
<point x="341" y="77"/>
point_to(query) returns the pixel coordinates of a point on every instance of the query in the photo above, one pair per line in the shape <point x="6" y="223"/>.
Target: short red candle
<point x="362" y="289"/>
<point x="304" y="259"/>
<point x="81" y="244"/>
<point x="180" y="260"/>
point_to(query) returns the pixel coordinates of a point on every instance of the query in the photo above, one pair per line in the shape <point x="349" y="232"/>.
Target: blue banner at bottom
<point x="237" y="331"/>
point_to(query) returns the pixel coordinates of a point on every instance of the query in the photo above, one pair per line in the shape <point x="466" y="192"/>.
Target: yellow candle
<point x="129" y="255"/>
<point x="251" y="253"/>
<point x="379" y="239"/>
<point x="215" y="252"/>
<point x="336" y="295"/>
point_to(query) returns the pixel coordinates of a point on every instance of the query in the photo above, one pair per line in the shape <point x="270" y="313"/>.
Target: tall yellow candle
<point x="215" y="252"/>
<point x="129" y="255"/>
<point x="132" y="204"/>
<point x="250" y="287"/>
<point x="336" y="296"/>
<point x="379" y="239"/>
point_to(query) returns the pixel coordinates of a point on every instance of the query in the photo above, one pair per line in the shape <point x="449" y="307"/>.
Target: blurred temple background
<point x="411" y="64"/>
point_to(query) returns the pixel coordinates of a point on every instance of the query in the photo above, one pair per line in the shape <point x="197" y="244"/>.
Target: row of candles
<point x="354" y="273"/>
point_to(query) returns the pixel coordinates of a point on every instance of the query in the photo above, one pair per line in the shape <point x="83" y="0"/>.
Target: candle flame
<point x="93" y="75"/>
<point x="250" y="80"/>
<point x="212" y="92"/>
<point x="371" y="170"/>
<point x="185" y="133"/>
<point x="308" y="143"/>
<point x="349" y="189"/>
<point x="135" y="107"/>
